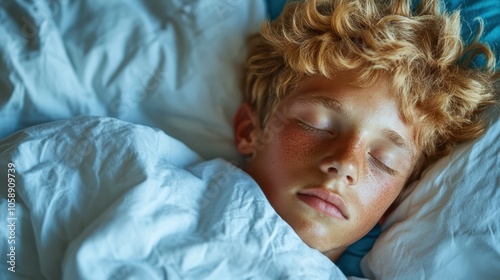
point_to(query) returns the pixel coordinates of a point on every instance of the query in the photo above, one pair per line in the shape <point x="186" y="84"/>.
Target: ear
<point x="245" y="130"/>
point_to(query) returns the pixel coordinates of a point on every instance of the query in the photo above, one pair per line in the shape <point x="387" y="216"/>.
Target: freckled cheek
<point x="379" y="193"/>
<point x="285" y="162"/>
<point x="294" y="147"/>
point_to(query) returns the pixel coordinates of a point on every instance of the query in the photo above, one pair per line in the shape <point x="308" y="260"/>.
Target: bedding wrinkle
<point x="157" y="63"/>
<point x="132" y="51"/>
<point x="6" y="86"/>
<point x="50" y="54"/>
<point x="179" y="216"/>
<point x="26" y="25"/>
<point x="92" y="186"/>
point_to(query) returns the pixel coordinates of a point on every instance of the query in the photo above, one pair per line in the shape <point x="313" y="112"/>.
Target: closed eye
<point x="382" y="166"/>
<point x="313" y="129"/>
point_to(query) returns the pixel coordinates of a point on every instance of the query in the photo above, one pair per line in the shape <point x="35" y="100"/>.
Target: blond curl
<point x="421" y="49"/>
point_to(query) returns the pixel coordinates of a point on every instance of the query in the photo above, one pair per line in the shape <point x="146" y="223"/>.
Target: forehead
<point x="341" y="92"/>
<point x="345" y="80"/>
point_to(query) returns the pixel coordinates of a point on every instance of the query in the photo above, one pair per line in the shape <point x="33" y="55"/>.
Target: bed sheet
<point x="86" y="187"/>
<point x="173" y="64"/>
<point x="154" y="62"/>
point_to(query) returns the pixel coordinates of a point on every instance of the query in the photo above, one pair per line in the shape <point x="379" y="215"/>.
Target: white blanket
<point x="98" y="198"/>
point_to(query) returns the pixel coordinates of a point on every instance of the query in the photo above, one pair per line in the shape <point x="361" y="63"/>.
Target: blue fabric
<point x="274" y="8"/>
<point x="489" y="11"/>
<point x="351" y="258"/>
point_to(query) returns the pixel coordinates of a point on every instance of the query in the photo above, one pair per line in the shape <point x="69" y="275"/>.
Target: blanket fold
<point x="99" y="198"/>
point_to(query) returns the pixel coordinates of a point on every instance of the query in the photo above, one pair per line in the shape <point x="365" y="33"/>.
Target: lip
<point x="324" y="201"/>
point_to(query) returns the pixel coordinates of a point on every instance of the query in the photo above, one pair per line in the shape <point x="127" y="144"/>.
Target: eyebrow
<point x="324" y="101"/>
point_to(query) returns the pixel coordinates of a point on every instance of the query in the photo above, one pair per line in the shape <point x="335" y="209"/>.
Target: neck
<point x="334" y="254"/>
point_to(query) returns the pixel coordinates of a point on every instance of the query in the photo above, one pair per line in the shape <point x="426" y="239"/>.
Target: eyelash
<point x="382" y="166"/>
<point x="312" y="128"/>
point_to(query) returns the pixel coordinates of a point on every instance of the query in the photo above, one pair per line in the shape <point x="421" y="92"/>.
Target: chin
<point x="316" y="235"/>
<point x="324" y="244"/>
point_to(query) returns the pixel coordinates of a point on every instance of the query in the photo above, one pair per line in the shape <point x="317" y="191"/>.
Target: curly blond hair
<point x="420" y="49"/>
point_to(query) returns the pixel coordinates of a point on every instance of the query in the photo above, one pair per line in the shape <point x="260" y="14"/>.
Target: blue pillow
<point x="489" y="11"/>
<point x="274" y="8"/>
<point x="349" y="262"/>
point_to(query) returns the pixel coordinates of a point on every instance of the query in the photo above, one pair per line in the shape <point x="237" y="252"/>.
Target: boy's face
<point x="331" y="160"/>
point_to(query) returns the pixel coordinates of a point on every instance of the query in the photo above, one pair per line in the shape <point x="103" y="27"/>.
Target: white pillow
<point x="172" y="64"/>
<point x="449" y="226"/>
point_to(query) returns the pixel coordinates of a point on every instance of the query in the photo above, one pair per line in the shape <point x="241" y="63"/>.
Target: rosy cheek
<point x="379" y="193"/>
<point x="294" y="146"/>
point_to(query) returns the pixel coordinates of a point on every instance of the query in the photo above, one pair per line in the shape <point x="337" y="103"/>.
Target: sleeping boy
<point x="346" y="102"/>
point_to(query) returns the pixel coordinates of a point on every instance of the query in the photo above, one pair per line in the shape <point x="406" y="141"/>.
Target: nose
<point x="342" y="162"/>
